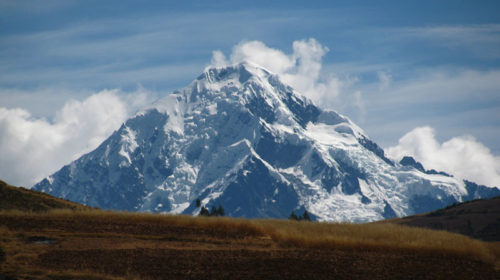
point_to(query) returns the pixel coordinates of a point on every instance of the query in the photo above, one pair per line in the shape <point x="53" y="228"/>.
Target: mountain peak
<point x="243" y="70"/>
<point x="239" y="137"/>
<point x="244" y="85"/>
<point x="232" y="75"/>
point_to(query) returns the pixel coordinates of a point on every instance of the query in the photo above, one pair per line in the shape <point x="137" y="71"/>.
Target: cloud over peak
<point x="300" y="69"/>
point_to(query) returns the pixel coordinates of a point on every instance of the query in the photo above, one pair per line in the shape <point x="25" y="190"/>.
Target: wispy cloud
<point x="441" y="85"/>
<point x="481" y="39"/>
<point x="157" y="51"/>
<point x="34" y="6"/>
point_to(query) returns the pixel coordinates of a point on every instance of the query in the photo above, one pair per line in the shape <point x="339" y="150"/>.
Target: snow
<point x="211" y="139"/>
<point x="328" y="135"/>
<point x="171" y="105"/>
<point x="365" y="187"/>
<point x="128" y="145"/>
<point x="212" y="109"/>
<point x="178" y="208"/>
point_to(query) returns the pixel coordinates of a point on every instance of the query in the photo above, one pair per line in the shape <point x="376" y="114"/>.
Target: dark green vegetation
<point x="478" y="219"/>
<point x="304" y="217"/>
<point x="215" y="212"/>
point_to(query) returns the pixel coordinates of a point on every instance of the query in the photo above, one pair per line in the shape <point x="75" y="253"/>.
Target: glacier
<point x="239" y="137"/>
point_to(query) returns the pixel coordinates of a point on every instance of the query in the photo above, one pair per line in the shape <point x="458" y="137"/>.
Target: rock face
<point x="240" y="138"/>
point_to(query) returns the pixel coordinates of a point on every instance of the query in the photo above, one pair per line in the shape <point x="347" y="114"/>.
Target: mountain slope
<point x="238" y="137"/>
<point x="479" y="219"/>
<point x="14" y="198"/>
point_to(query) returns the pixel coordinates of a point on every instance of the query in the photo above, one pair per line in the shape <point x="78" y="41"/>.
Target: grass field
<point x="16" y="198"/>
<point x="93" y="244"/>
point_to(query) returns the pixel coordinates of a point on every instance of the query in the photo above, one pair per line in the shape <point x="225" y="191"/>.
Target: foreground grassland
<point x="93" y="244"/>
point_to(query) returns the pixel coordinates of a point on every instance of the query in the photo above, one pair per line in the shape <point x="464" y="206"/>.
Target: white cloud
<point x="301" y="69"/>
<point x="33" y="148"/>
<point x="462" y="156"/>
<point x="218" y="59"/>
<point x="257" y="52"/>
<point x="384" y="80"/>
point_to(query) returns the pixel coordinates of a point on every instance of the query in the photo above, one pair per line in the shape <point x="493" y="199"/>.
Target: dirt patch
<point x="270" y="264"/>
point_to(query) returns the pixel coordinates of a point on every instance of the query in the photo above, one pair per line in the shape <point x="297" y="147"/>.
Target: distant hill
<point x="478" y="219"/>
<point x="16" y="198"/>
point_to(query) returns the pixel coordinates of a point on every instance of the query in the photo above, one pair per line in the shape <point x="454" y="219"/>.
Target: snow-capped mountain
<point x="240" y="138"/>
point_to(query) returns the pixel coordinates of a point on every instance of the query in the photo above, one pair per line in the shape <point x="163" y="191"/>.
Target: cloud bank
<point x="301" y="69"/>
<point x="462" y="156"/>
<point x="33" y="148"/>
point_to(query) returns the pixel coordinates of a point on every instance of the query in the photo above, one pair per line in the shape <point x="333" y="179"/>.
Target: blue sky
<point x="400" y="65"/>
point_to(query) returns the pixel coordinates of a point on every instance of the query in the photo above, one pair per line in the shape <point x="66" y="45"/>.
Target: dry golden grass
<point x="93" y="244"/>
<point x="375" y="236"/>
<point x="302" y="234"/>
<point x="29" y="200"/>
<point x="88" y="243"/>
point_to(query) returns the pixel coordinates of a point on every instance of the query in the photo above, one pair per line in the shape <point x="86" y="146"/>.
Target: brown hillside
<point x="478" y="219"/>
<point x="94" y="244"/>
<point x="14" y="198"/>
<point x="77" y="242"/>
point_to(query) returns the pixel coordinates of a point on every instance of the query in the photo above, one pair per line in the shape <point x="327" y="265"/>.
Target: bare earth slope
<point x="478" y="219"/>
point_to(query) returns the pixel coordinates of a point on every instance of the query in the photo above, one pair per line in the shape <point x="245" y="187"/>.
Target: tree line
<point x="215" y="212"/>
<point x="220" y="212"/>
<point x="304" y="217"/>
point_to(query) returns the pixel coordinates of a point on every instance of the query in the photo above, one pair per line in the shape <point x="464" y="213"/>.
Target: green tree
<point x="204" y="212"/>
<point x="198" y="202"/>
<point x="306" y="216"/>
<point x="293" y="216"/>
<point x="220" y="211"/>
<point x="213" y="212"/>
